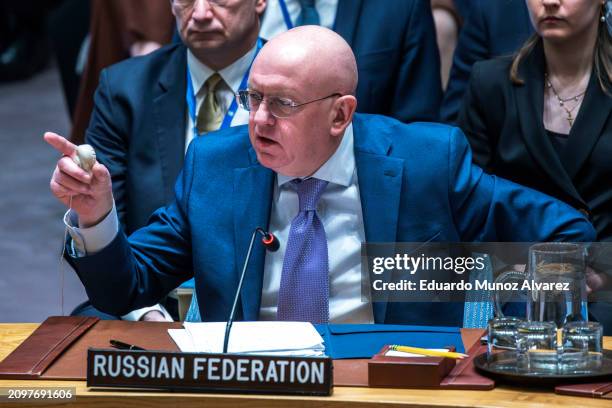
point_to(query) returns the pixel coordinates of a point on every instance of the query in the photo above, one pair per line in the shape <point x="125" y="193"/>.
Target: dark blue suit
<point x="138" y="130"/>
<point x="492" y="28"/>
<point x="417" y="182"/>
<point x="397" y="57"/>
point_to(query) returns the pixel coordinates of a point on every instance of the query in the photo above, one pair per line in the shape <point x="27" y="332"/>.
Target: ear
<point x="172" y="8"/>
<point x="260" y="6"/>
<point x="342" y="114"/>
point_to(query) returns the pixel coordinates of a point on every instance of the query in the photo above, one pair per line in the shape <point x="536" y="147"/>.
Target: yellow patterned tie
<point x="210" y="114"/>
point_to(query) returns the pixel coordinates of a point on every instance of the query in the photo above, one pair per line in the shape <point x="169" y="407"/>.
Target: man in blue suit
<point x="322" y="179"/>
<point x="394" y="42"/>
<point x="492" y="28"/>
<point x="148" y="109"/>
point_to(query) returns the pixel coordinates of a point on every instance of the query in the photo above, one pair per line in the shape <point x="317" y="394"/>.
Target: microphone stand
<point x="230" y="320"/>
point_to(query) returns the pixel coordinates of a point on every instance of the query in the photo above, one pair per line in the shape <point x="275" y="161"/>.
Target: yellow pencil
<point x="427" y="352"/>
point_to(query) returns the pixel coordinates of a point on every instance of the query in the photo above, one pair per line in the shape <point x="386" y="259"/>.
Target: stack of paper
<point x="272" y="338"/>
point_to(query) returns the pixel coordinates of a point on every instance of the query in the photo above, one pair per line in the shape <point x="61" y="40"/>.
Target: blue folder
<point x="343" y="341"/>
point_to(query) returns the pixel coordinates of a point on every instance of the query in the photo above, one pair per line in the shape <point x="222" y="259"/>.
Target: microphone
<point x="270" y="242"/>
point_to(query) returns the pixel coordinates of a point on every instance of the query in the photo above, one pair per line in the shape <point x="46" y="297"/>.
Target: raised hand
<point x="91" y="192"/>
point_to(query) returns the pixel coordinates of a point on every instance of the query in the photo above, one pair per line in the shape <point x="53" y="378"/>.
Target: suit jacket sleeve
<point x="107" y="134"/>
<point x="487" y="208"/>
<point x="472" y="46"/>
<point x="474" y="119"/>
<point x="134" y="273"/>
<point x="418" y="91"/>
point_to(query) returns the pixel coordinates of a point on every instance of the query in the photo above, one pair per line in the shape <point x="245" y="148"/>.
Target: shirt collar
<point x="339" y="168"/>
<point x="232" y="74"/>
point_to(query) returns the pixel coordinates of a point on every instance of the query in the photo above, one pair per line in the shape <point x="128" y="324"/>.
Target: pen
<point x="124" y="346"/>
<point x="427" y="352"/>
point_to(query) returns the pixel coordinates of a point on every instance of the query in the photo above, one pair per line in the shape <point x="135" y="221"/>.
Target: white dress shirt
<point x="274" y="23"/>
<point x="340" y="211"/>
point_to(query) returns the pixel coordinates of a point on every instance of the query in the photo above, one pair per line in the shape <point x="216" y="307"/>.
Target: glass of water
<point x="501" y="341"/>
<point x="582" y="347"/>
<point x="536" y="347"/>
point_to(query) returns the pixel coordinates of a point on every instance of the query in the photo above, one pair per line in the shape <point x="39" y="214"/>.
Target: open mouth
<point x="266" y="142"/>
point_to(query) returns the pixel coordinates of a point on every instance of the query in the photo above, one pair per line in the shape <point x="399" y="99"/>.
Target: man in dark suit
<point x="349" y="178"/>
<point x="395" y="45"/>
<point x="148" y="109"/>
<point x="492" y="28"/>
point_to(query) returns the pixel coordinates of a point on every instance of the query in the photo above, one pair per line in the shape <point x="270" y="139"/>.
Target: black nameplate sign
<point x="205" y="372"/>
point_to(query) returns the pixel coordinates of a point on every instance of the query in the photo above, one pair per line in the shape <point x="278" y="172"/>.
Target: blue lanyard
<point x="286" y="15"/>
<point x="227" y="120"/>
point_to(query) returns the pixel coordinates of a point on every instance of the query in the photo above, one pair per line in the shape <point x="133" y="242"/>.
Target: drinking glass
<point x="582" y="345"/>
<point x="537" y="347"/>
<point x="501" y="340"/>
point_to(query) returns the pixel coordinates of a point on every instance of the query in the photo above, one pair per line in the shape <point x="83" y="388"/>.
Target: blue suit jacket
<point x="492" y="28"/>
<point x="397" y="57"/>
<point x="417" y="183"/>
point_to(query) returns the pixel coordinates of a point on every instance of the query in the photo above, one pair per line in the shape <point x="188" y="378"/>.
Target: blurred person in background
<point x="394" y="42"/>
<point x="24" y="46"/>
<point x="490" y="29"/>
<point x="448" y="21"/>
<point x="118" y="30"/>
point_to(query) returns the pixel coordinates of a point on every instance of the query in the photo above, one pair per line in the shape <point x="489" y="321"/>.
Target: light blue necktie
<point x="309" y="14"/>
<point x="304" y="288"/>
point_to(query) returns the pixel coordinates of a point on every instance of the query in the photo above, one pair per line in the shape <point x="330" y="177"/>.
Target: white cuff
<point x="137" y="314"/>
<point x="88" y="241"/>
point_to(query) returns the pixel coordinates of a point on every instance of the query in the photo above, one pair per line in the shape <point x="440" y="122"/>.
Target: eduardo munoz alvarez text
<point x="459" y="265"/>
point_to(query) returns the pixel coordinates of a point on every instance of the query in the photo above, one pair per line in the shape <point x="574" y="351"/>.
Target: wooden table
<point x="11" y="335"/>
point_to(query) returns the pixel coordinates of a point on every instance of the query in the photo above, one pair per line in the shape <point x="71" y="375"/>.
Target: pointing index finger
<point x="60" y="143"/>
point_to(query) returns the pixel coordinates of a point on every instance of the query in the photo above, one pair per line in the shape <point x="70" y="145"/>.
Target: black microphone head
<point x="270" y="242"/>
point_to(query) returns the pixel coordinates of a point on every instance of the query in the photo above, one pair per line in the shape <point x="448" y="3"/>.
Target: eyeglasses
<point x="189" y="3"/>
<point x="278" y="107"/>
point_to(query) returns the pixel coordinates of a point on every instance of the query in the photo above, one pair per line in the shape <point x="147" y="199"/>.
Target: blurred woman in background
<point x="543" y="118"/>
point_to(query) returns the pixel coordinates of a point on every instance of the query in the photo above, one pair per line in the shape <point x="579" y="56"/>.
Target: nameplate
<point x="203" y="372"/>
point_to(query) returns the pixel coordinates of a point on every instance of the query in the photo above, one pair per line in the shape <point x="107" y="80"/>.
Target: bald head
<point x="307" y="79"/>
<point x="314" y="55"/>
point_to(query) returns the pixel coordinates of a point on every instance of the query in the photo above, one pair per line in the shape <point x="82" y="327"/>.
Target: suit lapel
<point x="588" y="127"/>
<point x="347" y="18"/>
<point x="530" y="107"/>
<point x="253" y="188"/>
<point x="380" y="185"/>
<point x="169" y="115"/>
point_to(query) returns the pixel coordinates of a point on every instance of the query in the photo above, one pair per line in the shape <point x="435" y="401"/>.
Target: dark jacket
<point x="492" y="28"/>
<point x="504" y="125"/>
<point x="138" y="130"/>
<point x="397" y="57"/>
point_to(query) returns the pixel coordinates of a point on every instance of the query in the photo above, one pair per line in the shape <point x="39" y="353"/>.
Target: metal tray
<point x="504" y="368"/>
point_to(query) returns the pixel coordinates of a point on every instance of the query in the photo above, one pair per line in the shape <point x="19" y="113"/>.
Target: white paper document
<point x="272" y="338"/>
